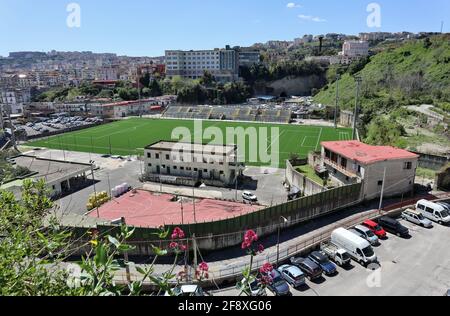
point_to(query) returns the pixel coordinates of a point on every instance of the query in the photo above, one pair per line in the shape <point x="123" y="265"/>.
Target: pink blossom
<point x="183" y="247"/>
<point x="266" y="280"/>
<point x="203" y="267"/>
<point x="260" y="248"/>
<point x="266" y="268"/>
<point x="173" y="245"/>
<point x="178" y="233"/>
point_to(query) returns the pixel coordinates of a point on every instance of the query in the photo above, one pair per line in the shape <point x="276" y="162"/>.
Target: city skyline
<point x="156" y="26"/>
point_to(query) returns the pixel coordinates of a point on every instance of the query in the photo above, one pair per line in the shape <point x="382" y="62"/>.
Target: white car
<point x="186" y="291"/>
<point x="248" y="196"/>
<point x="416" y="218"/>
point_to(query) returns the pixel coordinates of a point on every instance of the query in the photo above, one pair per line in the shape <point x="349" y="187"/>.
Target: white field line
<point x="318" y="140"/>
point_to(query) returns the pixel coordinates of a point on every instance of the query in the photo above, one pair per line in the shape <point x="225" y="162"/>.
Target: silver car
<point x="416" y="218"/>
<point x="366" y="234"/>
<point x="293" y="275"/>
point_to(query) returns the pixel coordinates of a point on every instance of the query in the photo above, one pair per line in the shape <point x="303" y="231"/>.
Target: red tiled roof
<point x="367" y="154"/>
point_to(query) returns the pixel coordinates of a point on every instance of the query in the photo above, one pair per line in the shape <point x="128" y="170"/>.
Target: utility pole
<point x="193" y="196"/>
<point x="95" y="189"/>
<point x="442" y="27"/>
<point x="382" y="190"/>
<point x="355" y="118"/>
<point x="338" y="77"/>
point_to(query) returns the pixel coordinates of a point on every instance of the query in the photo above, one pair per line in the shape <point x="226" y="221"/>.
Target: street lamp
<point x="284" y="220"/>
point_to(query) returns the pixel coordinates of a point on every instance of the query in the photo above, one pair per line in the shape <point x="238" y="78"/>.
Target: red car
<point x="375" y="228"/>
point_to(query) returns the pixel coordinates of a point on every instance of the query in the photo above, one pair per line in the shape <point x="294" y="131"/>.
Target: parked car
<point x="393" y="226"/>
<point x="255" y="288"/>
<point x="293" y="275"/>
<point x="433" y="211"/>
<point x="444" y="205"/>
<point x="187" y="290"/>
<point x="338" y="255"/>
<point x="248" y="196"/>
<point x="359" y="249"/>
<point x="278" y="285"/>
<point x="311" y="269"/>
<point x="324" y="263"/>
<point x="367" y="234"/>
<point x="375" y="228"/>
<point x="416" y="218"/>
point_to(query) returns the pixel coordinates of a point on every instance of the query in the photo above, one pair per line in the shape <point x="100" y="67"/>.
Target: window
<point x="175" y="167"/>
<point x="164" y="166"/>
<point x="407" y="166"/>
<point x="221" y="173"/>
<point x="149" y="155"/>
<point x="167" y="157"/>
<point x="429" y="210"/>
<point x="150" y="165"/>
<point x="157" y="156"/>
<point x="181" y="168"/>
<point x="195" y="169"/>
<point x="205" y="170"/>
<point x="380" y="183"/>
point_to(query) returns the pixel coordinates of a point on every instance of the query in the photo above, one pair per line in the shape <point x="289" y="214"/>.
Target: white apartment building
<point x="352" y="162"/>
<point x="212" y="164"/>
<point x="14" y="99"/>
<point x="223" y="64"/>
<point x="355" y="49"/>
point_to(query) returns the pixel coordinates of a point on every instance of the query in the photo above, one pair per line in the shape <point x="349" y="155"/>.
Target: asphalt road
<point x="419" y="266"/>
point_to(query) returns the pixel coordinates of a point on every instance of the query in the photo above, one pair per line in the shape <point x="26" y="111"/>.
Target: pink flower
<point x="183" y="247"/>
<point x="250" y="236"/>
<point x="260" y="248"/>
<point x="246" y="245"/>
<point x="178" y="233"/>
<point x="173" y="245"/>
<point x="203" y="267"/>
<point x="266" y="280"/>
<point x="266" y="268"/>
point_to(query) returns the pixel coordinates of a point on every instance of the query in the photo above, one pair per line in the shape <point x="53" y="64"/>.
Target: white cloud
<point x="292" y="5"/>
<point x="311" y="18"/>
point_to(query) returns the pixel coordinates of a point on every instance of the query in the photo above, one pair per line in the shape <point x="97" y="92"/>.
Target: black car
<point x="311" y="269"/>
<point x="393" y="226"/>
<point x="278" y="285"/>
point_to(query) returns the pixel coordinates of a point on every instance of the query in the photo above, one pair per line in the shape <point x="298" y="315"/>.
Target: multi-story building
<point x="248" y="56"/>
<point x="355" y="49"/>
<point x="223" y="64"/>
<point x="13" y="99"/>
<point x="132" y="108"/>
<point x="214" y="164"/>
<point x="107" y="73"/>
<point x="352" y="161"/>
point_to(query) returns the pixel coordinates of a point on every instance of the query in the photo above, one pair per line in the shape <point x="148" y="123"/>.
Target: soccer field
<point x="129" y="137"/>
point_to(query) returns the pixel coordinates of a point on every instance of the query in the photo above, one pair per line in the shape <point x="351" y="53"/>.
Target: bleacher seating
<point x="231" y="113"/>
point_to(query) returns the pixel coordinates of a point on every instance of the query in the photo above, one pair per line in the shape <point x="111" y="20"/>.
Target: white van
<point x="359" y="249"/>
<point x="433" y="211"/>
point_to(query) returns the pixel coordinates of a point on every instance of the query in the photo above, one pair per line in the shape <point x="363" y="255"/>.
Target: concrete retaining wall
<point x="306" y="185"/>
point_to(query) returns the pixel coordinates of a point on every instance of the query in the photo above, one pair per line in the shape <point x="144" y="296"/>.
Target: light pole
<point x="283" y="221"/>
<point x="355" y="118"/>
<point x="338" y="77"/>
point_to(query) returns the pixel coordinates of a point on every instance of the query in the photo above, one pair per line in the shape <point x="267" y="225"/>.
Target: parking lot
<point x="418" y="266"/>
<point x="52" y="125"/>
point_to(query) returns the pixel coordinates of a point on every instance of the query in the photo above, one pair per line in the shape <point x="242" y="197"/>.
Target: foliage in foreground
<point x="32" y="254"/>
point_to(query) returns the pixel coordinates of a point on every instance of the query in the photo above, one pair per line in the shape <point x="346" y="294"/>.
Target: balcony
<point x="341" y="169"/>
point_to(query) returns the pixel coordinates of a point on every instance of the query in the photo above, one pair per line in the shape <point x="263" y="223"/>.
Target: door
<point x="168" y="171"/>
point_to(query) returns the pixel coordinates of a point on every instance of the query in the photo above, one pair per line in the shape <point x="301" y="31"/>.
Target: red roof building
<point x="352" y="161"/>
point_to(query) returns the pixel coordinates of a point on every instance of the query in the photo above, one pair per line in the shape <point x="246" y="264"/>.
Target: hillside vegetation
<point x="416" y="72"/>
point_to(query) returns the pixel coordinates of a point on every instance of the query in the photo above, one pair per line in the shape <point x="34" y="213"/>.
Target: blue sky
<point x="148" y="27"/>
